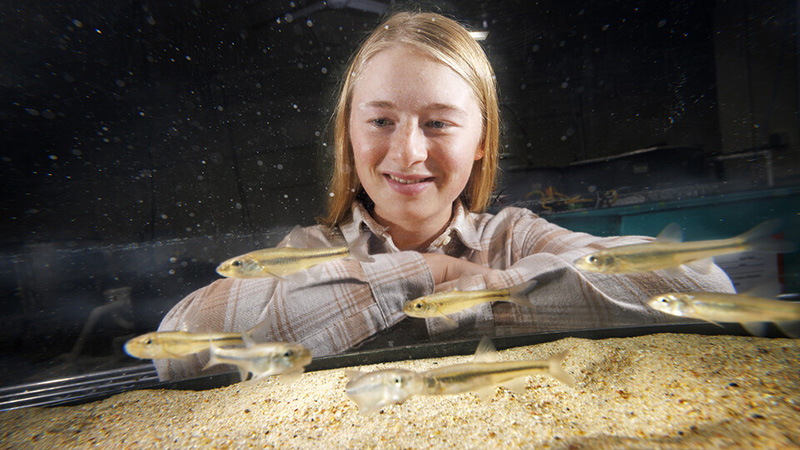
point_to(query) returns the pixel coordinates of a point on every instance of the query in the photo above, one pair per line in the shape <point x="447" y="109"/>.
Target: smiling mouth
<point x="403" y="181"/>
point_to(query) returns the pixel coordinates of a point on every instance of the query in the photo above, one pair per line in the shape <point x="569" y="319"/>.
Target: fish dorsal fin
<point x="462" y="284"/>
<point x="486" y="352"/>
<point x="301" y="238"/>
<point x="247" y="339"/>
<point x="465" y="284"/>
<point x="671" y="233"/>
<point x="676" y="272"/>
<point x="296" y="237"/>
<point x="703" y="266"/>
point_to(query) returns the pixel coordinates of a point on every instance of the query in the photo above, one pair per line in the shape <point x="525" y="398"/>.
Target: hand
<point x="446" y="268"/>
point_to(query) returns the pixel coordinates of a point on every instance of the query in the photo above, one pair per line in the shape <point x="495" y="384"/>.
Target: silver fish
<point x="484" y="374"/>
<point x="176" y="344"/>
<point x="374" y="390"/>
<point x="751" y="312"/>
<point x="441" y="304"/>
<point x="263" y="359"/>
<point x="282" y="261"/>
<point x="668" y="252"/>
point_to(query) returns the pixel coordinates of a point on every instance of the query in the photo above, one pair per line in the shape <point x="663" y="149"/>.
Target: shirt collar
<point x="461" y="227"/>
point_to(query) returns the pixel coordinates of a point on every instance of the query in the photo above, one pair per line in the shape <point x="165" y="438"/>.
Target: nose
<point x="408" y="146"/>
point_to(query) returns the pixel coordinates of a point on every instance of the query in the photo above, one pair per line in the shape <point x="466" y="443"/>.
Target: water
<point x="145" y="143"/>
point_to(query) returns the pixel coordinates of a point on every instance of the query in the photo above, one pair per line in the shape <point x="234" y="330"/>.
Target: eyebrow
<point x="385" y="104"/>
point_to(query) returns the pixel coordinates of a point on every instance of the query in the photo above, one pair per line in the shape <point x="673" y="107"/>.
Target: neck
<point x="415" y="235"/>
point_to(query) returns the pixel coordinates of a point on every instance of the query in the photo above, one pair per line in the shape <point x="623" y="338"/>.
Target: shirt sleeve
<point x="568" y="298"/>
<point x="328" y="308"/>
<point x="524" y="246"/>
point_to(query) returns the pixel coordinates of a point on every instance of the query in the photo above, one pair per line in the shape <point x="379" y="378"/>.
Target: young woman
<point x="416" y="141"/>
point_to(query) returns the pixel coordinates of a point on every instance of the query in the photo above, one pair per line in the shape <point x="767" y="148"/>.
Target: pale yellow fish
<point x="374" y="390"/>
<point x="442" y="304"/>
<point x="263" y="359"/>
<point x="667" y="252"/>
<point x="484" y="374"/>
<point x="282" y="261"/>
<point x="751" y="312"/>
<point x="176" y="344"/>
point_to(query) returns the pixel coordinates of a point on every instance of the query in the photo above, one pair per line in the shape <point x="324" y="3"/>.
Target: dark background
<point x="145" y="141"/>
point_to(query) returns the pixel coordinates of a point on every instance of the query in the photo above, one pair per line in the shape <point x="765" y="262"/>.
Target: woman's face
<point x="415" y="128"/>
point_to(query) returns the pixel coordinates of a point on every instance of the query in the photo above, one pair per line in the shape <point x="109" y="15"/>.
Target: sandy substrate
<point x="659" y="391"/>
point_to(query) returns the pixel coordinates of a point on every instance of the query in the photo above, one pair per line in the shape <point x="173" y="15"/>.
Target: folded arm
<point x="329" y="308"/>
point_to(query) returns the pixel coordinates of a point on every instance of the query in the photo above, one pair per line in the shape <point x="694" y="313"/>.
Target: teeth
<point x="400" y="180"/>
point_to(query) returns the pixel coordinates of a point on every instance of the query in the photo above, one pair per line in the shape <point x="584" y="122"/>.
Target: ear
<point x="479" y="152"/>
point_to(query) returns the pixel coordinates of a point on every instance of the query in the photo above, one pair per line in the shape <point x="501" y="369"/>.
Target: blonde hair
<point x="449" y="43"/>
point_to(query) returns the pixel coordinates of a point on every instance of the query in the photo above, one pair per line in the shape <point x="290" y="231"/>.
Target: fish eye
<point x="288" y="354"/>
<point x="418" y="305"/>
<point x="148" y="341"/>
<point x="398" y="381"/>
<point x="592" y="259"/>
<point x="236" y="263"/>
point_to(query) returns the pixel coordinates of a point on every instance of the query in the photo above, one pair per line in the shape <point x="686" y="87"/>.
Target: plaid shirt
<point x="335" y="306"/>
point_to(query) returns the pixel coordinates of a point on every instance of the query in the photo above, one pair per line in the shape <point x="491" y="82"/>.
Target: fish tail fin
<point x="790" y="328"/>
<point x="359" y="248"/>
<point x="212" y="355"/>
<point x="519" y="294"/>
<point x="557" y="371"/>
<point x="759" y="238"/>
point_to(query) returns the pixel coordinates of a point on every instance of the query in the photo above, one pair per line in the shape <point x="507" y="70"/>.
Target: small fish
<point x="485" y="373"/>
<point x="281" y="261"/>
<point x="374" y="390"/>
<point x="263" y="359"/>
<point x="176" y="344"/>
<point x="442" y="304"/>
<point x="668" y="252"/>
<point x="751" y="312"/>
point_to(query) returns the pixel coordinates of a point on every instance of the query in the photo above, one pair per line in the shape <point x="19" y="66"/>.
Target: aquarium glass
<point x="144" y="142"/>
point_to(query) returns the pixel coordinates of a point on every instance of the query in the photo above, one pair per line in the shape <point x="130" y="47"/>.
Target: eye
<point x="236" y="263"/>
<point x="288" y="354"/>
<point x="437" y="124"/>
<point x="418" y="305"/>
<point x="148" y="341"/>
<point x="381" y="122"/>
<point x="592" y="259"/>
<point x="398" y="381"/>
